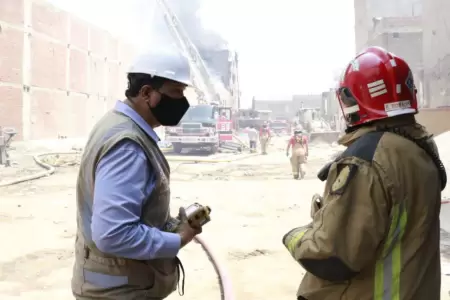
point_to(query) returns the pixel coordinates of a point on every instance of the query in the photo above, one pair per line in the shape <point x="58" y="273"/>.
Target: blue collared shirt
<point x="123" y="182"/>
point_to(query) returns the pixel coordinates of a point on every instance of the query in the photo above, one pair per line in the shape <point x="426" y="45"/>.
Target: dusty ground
<point x="254" y="202"/>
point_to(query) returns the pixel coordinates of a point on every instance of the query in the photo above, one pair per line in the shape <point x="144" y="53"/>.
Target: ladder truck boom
<point x="201" y="76"/>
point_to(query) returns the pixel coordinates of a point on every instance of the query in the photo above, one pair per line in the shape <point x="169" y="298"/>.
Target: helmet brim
<point x="167" y="75"/>
<point x="169" y="65"/>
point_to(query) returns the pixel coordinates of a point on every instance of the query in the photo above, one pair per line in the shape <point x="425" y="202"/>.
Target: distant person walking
<point x="253" y="136"/>
<point x="264" y="136"/>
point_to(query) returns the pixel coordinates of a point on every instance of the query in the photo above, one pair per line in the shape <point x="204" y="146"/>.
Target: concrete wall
<point x="279" y="108"/>
<point x="58" y="74"/>
<point x="402" y="36"/>
<point x="363" y="24"/>
<point x="436" y="49"/>
<point x="432" y="75"/>
<point x="366" y="10"/>
<point x="398" y="27"/>
<point x="435" y="119"/>
<point x="397" y="8"/>
<point x="330" y="104"/>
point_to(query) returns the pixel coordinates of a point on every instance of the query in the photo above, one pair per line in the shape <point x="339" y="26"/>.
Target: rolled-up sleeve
<point x="124" y="180"/>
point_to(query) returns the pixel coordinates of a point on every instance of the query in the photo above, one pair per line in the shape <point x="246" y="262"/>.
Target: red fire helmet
<point x="376" y="85"/>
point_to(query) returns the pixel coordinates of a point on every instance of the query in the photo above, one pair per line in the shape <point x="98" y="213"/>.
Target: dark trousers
<point x="252" y="144"/>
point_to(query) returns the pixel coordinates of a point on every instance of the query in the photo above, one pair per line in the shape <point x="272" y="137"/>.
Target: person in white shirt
<point x="253" y="136"/>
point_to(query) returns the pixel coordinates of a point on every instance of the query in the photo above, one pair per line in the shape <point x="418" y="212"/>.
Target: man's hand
<point x="185" y="230"/>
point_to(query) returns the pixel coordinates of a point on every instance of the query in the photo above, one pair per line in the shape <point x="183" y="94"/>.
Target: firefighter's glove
<point x="293" y="237"/>
<point x="316" y="204"/>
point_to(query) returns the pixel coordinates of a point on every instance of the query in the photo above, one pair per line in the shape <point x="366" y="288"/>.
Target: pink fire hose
<point x="226" y="289"/>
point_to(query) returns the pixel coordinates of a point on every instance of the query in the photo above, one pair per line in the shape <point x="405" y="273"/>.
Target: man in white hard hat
<point x="123" y="192"/>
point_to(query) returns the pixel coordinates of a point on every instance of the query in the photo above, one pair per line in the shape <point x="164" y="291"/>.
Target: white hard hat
<point x="168" y="64"/>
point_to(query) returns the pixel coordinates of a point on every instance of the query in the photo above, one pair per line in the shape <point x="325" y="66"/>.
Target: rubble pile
<point x="62" y="160"/>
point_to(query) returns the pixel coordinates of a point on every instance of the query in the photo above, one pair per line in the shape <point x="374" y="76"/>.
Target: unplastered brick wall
<point x="58" y="73"/>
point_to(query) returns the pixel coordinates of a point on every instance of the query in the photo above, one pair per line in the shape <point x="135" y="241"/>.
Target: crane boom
<point x="201" y="76"/>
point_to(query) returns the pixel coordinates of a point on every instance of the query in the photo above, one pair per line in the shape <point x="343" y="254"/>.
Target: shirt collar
<point x="131" y="113"/>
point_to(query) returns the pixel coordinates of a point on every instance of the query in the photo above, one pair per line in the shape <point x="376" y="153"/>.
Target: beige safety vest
<point x="144" y="279"/>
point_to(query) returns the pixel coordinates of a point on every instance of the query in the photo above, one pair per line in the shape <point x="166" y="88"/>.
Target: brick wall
<point x="58" y="73"/>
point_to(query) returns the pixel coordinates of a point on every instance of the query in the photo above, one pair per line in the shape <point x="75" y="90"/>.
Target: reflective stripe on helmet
<point x="351" y="109"/>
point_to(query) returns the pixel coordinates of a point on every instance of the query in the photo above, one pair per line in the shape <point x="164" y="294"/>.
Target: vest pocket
<point x="163" y="285"/>
<point x="155" y="278"/>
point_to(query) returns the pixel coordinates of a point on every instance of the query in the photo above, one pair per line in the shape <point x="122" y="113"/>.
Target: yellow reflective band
<point x="388" y="266"/>
<point x="292" y="244"/>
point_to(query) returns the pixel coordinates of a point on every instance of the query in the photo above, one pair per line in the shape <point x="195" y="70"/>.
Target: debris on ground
<point x="62" y="160"/>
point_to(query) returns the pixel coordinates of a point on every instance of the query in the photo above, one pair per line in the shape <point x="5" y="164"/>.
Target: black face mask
<point x="170" y="111"/>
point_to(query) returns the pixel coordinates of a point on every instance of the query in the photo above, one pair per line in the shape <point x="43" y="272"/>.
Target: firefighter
<point x="264" y="137"/>
<point x="375" y="230"/>
<point x="299" y="144"/>
<point x="123" y="191"/>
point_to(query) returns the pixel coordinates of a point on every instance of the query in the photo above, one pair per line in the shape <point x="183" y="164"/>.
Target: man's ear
<point x="153" y="98"/>
<point x="146" y="92"/>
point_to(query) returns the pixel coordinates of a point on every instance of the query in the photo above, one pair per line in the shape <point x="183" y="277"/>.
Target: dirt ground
<point x="254" y="202"/>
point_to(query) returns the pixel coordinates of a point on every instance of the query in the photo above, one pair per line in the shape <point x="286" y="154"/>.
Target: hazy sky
<point x="285" y="46"/>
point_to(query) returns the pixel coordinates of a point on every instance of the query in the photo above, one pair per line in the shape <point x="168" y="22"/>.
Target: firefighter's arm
<point x="289" y="145"/>
<point x="347" y="231"/>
